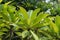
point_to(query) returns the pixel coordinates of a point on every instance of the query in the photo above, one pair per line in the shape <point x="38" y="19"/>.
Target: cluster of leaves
<point x="19" y="24"/>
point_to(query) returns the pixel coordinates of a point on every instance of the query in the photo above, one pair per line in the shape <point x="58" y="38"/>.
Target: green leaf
<point x="0" y="38"/>
<point x="1" y="21"/>
<point x="11" y="9"/>
<point x="21" y="18"/>
<point x="39" y="18"/>
<point x="54" y="27"/>
<point x="18" y="33"/>
<point x="34" y="35"/>
<point x="24" y="12"/>
<point x="5" y="17"/>
<point x="41" y="24"/>
<point x="29" y="19"/>
<point x="1" y="1"/>
<point x="4" y="29"/>
<point x="1" y="33"/>
<point x="57" y="20"/>
<point x="45" y="33"/>
<point x="1" y="7"/>
<point x="12" y="17"/>
<point x="2" y="25"/>
<point x="6" y="5"/>
<point x="34" y="13"/>
<point x="25" y="34"/>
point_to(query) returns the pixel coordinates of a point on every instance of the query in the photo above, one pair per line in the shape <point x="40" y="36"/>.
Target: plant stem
<point x="11" y="32"/>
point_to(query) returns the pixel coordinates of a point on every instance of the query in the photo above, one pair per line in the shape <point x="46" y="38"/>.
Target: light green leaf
<point x="29" y="19"/>
<point x="34" y="35"/>
<point x="24" y="12"/>
<point x="12" y="17"/>
<point x="57" y="20"/>
<point x="6" y="5"/>
<point x="23" y="21"/>
<point x="34" y="13"/>
<point x="11" y="9"/>
<point x="39" y="18"/>
<point x="54" y="27"/>
<point x="1" y="1"/>
<point x="25" y="34"/>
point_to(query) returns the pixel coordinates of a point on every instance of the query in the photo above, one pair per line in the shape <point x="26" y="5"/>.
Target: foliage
<point x="27" y="23"/>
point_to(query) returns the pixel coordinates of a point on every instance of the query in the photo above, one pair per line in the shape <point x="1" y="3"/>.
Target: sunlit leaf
<point x="39" y="18"/>
<point x="1" y="1"/>
<point x="54" y="27"/>
<point x="11" y="9"/>
<point x="24" y="12"/>
<point x="29" y="18"/>
<point x="34" y="13"/>
<point x="57" y="20"/>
